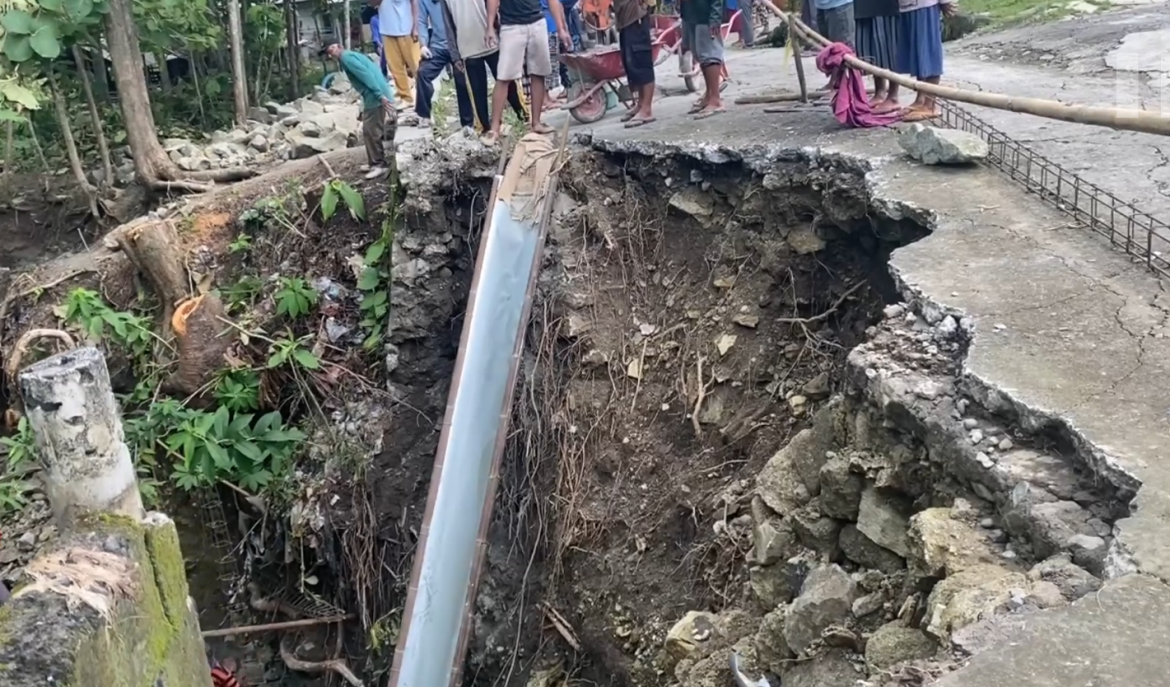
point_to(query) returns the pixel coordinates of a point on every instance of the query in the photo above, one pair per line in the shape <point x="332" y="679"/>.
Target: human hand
<point x="566" y="40"/>
<point x="489" y="37"/>
<point x="458" y="65"/>
<point x="949" y="9"/>
<point x="425" y="52"/>
<point x="387" y="106"/>
<point x="414" y="34"/>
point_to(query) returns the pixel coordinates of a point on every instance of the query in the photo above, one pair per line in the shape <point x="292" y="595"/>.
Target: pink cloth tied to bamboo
<point x="850" y="103"/>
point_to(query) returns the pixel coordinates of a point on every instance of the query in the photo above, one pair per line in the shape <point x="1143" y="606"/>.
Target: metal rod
<point x="273" y="627"/>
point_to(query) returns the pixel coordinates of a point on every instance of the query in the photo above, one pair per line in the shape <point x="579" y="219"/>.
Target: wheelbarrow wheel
<point x="685" y="64"/>
<point x="592" y="109"/>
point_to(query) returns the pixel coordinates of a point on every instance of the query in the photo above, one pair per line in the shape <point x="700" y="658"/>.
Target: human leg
<point x="393" y="49"/>
<point x="463" y="98"/>
<point x="373" y="132"/>
<point x="429" y="70"/>
<point x="476" y="72"/>
<point x="538" y="62"/>
<point x="492" y="62"/>
<point x="921" y="55"/>
<point x="708" y="51"/>
<point x="747" y="27"/>
<point x="509" y="69"/>
<point x="638" y="59"/>
<point x="839" y="26"/>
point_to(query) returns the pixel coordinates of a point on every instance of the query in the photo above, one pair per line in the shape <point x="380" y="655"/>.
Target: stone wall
<point x="106" y="604"/>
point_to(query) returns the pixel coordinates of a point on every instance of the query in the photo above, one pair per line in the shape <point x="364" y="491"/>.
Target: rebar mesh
<point x="1136" y="232"/>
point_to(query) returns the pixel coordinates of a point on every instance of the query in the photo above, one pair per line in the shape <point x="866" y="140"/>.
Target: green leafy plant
<point x="238" y="390"/>
<point x="86" y="309"/>
<point x="241" y="244"/>
<point x="246" y="450"/>
<point x="242" y="292"/>
<point x="287" y="350"/>
<point x="12" y="493"/>
<point x="21" y="446"/>
<point x="337" y="191"/>
<point x="295" y="297"/>
<point x="374" y="284"/>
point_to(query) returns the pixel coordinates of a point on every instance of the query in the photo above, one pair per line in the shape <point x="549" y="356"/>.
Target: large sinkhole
<point x="729" y="436"/>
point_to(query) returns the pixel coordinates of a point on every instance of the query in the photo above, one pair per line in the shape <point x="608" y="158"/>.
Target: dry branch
<point x="335" y="665"/>
<point x="275" y="627"/>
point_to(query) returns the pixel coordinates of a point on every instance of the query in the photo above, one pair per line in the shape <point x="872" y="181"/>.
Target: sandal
<point x="913" y="115"/>
<point x="709" y="112"/>
<point x="639" y="121"/>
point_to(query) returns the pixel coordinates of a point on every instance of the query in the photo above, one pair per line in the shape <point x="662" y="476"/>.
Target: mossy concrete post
<point x="106" y="604"/>
<point x="73" y="415"/>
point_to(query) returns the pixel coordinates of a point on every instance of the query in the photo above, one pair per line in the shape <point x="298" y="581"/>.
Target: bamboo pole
<point x="272" y="627"/>
<point x="1123" y="119"/>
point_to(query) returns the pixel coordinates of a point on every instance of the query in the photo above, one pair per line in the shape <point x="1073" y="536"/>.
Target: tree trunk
<point x="32" y="132"/>
<point x="164" y="74"/>
<point x="345" y="24"/>
<point x="70" y="143"/>
<point x="294" y="50"/>
<point x="98" y="130"/>
<point x="9" y="149"/>
<point x="150" y="160"/>
<point x="239" y="76"/>
<point x="151" y="163"/>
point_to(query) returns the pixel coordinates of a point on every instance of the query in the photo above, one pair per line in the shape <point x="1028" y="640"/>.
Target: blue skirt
<point x="920" y="49"/>
<point x="877" y="41"/>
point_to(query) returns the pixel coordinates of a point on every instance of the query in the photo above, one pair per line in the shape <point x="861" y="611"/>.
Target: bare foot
<point x="541" y="128"/>
<point x="886" y="106"/>
<point x="918" y="114"/>
<point x="490" y="138"/>
<point x="709" y="111"/>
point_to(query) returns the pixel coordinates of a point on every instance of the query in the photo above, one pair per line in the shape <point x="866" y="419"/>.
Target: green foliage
<point x="21" y="451"/>
<point x="40" y="30"/>
<point x="243" y="292"/>
<point x="295" y="297"/>
<point x="21" y="446"/>
<point x="86" y="309"/>
<point x="337" y="190"/>
<point x="374" y="283"/>
<point x="242" y="244"/>
<point x="241" y="448"/>
<point x="289" y="351"/>
<point x="238" y="390"/>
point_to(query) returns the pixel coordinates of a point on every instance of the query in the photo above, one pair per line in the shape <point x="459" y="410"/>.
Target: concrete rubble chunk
<point x="772" y="537"/>
<point x="778" y="483"/>
<point x="1072" y="580"/>
<point x="841" y="488"/>
<point x="862" y="550"/>
<point x="771" y="647"/>
<point x="816" y="531"/>
<point x="935" y="146"/>
<point x="941" y="545"/>
<point x="1113" y="639"/>
<point x="894" y="643"/>
<point x="885" y="519"/>
<point x="771" y="585"/>
<point x="688" y="633"/>
<point x="833" y="668"/>
<point x="826" y="598"/>
<point x="968" y="595"/>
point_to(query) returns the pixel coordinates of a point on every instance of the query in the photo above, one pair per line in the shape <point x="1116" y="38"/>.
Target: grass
<point x="1008" y="12"/>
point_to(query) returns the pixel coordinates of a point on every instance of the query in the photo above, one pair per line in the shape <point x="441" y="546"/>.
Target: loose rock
<point x="894" y="643"/>
<point x="885" y="519"/>
<point x="826" y="598"/>
<point x="934" y="146"/>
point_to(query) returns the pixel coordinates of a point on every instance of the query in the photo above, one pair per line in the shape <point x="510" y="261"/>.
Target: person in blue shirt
<point x="835" y="20"/>
<point x="370" y="17"/>
<point x="377" y="104"/>
<point x="436" y="56"/>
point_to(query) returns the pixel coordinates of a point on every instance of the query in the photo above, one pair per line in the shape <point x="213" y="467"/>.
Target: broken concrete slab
<point x="1116" y="638"/>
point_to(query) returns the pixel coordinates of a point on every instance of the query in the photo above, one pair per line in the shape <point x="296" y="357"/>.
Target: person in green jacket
<point x="377" y="108"/>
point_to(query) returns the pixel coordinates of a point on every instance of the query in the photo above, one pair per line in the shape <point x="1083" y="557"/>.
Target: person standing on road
<point x="633" y="25"/>
<point x="920" y="50"/>
<point x="466" y="24"/>
<point x="370" y="16"/>
<point x="398" y="23"/>
<point x="835" y="21"/>
<point x="877" y="43"/>
<point x="436" y="56"/>
<point x="377" y="104"/>
<point x="523" y="41"/>
<point x="703" y="36"/>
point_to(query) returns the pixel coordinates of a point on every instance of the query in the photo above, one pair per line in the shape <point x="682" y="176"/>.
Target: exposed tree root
<point x="22" y="345"/>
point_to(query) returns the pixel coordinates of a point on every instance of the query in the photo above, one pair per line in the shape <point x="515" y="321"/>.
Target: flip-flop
<point x="704" y="114"/>
<point x="638" y="121"/>
<point x="696" y="108"/>
<point x="919" y="116"/>
<point x="886" y="107"/>
<point x="629" y="115"/>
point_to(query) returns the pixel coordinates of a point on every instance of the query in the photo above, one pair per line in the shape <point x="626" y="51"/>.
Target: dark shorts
<point x="637" y="53"/>
<point x="837" y="24"/>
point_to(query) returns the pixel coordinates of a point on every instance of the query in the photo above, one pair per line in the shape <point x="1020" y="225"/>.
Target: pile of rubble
<point x="321" y="122"/>
<point x="907" y="529"/>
